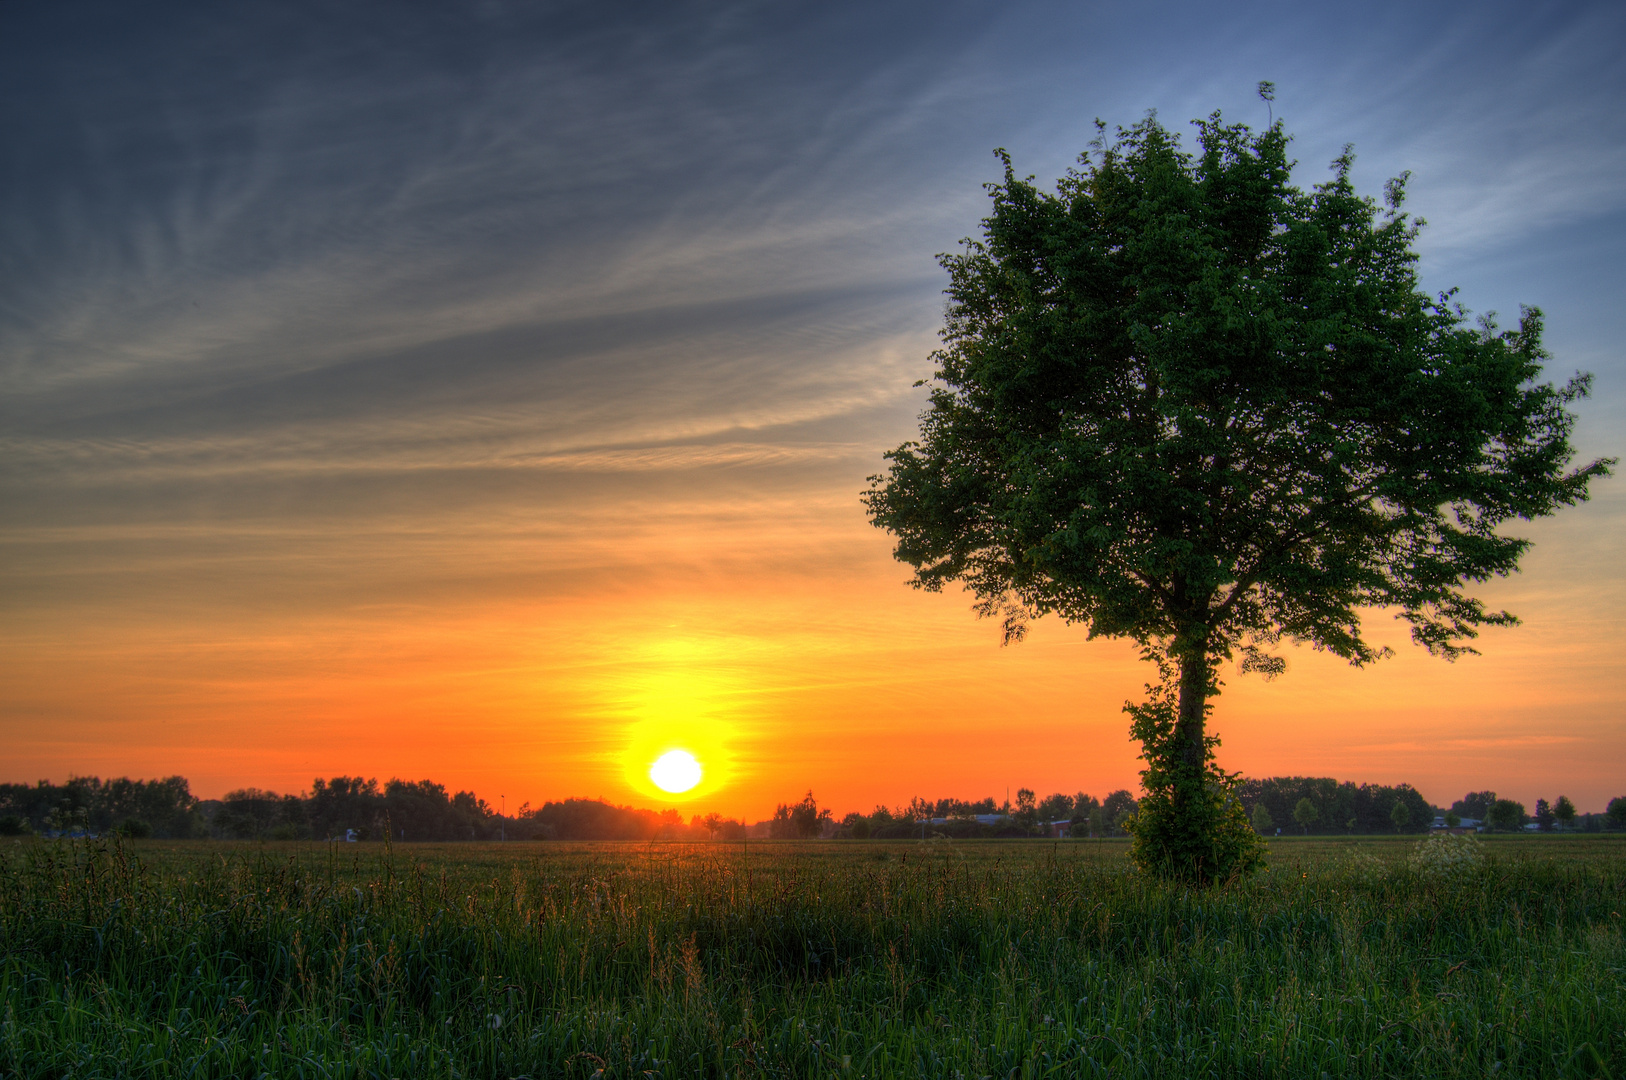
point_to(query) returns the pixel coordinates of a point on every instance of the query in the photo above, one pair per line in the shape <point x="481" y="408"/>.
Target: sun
<point x="675" y="771"/>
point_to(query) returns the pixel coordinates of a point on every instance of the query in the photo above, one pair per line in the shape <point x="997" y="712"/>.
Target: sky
<point x="483" y="392"/>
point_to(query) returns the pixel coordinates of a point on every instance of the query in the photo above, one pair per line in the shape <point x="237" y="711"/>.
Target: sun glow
<point x="675" y="771"/>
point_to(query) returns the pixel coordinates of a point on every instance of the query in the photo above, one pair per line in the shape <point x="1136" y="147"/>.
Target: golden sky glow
<point x="497" y="413"/>
<point x="778" y="644"/>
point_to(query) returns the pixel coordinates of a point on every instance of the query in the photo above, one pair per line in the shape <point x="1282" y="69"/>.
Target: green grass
<point x="935" y="959"/>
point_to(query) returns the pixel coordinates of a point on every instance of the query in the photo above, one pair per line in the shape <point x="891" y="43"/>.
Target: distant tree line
<point x="84" y="804"/>
<point x="1321" y="805"/>
<point x="1560" y="815"/>
<point x="341" y="808"/>
<point x="1082" y="814"/>
<point x="351" y="807"/>
<point x="595" y="819"/>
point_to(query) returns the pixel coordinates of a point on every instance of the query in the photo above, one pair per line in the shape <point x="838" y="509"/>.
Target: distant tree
<point x="1119" y="807"/>
<point x="1263" y="824"/>
<point x="342" y="803"/>
<point x="1505" y="815"/>
<point x="1544" y="816"/>
<point x="99" y="805"/>
<point x="1475" y="804"/>
<point x="592" y="819"/>
<point x="1616" y="812"/>
<point x="712" y="823"/>
<point x="1564" y="811"/>
<point x="1452" y="819"/>
<point x="1098" y="823"/>
<point x="1027" y="813"/>
<point x="1306" y="814"/>
<point x="248" y="813"/>
<point x="133" y="828"/>
<point x="1057" y="807"/>
<point x="1400" y="815"/>
<point x="1183" y="401"/>
<point x="803" y="820"/>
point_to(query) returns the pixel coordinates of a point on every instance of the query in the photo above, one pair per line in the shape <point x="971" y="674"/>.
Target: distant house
<point x="1062" y="828"/>
<point x="1464" y="826"/>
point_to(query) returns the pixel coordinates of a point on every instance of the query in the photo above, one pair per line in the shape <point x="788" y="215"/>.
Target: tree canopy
<point x="1183" y="401"/>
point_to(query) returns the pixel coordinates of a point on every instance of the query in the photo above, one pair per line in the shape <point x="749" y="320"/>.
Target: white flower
<point x="1448" y="856"/>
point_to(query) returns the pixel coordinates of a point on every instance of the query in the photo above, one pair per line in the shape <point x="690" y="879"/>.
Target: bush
<point x="133" y="828"/>
<point x="14" y="825"/>
<point x="1187" y="827"/>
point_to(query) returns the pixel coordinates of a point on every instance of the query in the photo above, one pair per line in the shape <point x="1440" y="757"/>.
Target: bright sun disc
<point x="675" y="771"/>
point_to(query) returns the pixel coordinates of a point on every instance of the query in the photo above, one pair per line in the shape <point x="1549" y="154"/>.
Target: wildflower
<point x="1448" y="856"/>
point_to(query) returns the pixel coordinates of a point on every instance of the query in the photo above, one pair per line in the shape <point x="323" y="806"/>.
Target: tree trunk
<point x="1193" y="701"/>
<point x="1188" y="768"/>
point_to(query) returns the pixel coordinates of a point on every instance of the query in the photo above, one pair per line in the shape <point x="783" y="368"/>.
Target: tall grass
<point x="1000" y="959"/>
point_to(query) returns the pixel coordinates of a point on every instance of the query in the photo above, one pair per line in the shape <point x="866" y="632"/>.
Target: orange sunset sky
<point x="487" y="398"/>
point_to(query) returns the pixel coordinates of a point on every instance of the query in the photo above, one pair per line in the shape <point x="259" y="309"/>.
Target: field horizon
<point x="1355" y="957"/>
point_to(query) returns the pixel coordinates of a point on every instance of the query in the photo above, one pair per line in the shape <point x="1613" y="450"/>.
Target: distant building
<point x="1463" y="826"/>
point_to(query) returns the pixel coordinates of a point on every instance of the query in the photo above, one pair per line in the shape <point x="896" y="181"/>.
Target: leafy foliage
<point x="1505" y="815"/>
<point x="1188" y="826"/>
<point x="1341" y="807"/>
<point x="166" y="806"/>
<point x="1182" y="401"/>
<point x="798" y="821"/>
<point x="1475" y="804"/>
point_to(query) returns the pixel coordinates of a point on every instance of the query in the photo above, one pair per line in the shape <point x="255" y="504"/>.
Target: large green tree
<point x="1183" y="401"/>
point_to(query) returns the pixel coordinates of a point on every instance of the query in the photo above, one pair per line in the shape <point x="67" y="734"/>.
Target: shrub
<point x="1190" y="826"/>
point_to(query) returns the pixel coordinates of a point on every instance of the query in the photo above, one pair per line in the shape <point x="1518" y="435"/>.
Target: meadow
<point x="784" y="959"/>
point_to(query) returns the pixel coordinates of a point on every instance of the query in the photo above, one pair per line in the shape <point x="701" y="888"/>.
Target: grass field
<point x="936" y="959"/>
